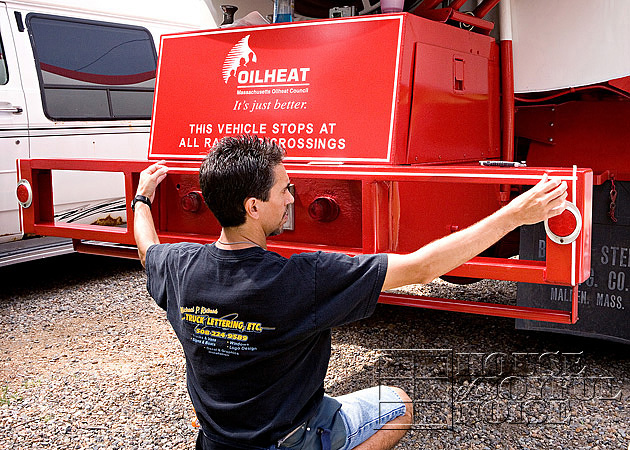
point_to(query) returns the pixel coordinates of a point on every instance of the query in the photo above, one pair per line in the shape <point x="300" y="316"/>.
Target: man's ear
<point x="251" y="207"/>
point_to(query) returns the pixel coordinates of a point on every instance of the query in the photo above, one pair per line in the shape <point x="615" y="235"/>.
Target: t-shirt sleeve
<point x="156" y="266"/>
<point x="347" y="288"/>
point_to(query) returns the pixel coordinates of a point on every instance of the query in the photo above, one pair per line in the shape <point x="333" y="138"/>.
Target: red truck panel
<point x="332" y="90"/>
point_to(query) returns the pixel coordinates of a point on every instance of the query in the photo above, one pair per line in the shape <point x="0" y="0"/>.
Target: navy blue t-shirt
<point x="255" y="328"/>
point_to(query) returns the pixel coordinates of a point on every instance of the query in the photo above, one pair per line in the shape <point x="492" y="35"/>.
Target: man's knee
<point x="407" y="401"/>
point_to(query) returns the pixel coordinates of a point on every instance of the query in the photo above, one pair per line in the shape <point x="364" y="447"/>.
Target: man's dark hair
<point x="235" y="169"/>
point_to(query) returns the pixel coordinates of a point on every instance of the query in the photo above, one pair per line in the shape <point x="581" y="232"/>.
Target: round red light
<point x="324" y="209"/>
<point x="564" y="224"/>
<point x="22" y="193"/>
<point x="191" y="202"/>
<point x="566" y="227"/>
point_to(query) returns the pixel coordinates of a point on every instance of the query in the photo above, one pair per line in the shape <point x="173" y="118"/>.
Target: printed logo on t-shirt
<point x="224" y="335"/>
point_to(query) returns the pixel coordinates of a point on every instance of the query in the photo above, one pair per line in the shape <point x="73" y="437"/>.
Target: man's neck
<point x="237" y="238"/>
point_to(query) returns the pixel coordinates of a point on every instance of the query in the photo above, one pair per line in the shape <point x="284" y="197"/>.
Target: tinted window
<point x="4" y="74"/>
<point x="93" y="70"/>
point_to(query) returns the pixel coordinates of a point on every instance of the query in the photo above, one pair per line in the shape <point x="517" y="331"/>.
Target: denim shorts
<point x="348" y="421"/>
<point x="365" y="412"/>
<point x="358" y="416"/>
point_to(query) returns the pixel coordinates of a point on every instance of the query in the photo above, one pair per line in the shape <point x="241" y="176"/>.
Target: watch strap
<point x="142" y="199"/>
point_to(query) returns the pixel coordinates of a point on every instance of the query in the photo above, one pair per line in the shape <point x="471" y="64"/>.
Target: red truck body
<point x="385" y="120"/>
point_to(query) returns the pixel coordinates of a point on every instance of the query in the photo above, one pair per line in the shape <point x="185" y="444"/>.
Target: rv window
<point x="93" y="70"/>
<point x="4" y="73"/>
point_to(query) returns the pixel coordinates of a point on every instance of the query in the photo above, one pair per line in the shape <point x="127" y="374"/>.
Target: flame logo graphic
<point x="240" y="55"/>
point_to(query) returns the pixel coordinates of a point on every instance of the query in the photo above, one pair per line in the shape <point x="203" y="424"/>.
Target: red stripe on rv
<point x="98" y="78"/>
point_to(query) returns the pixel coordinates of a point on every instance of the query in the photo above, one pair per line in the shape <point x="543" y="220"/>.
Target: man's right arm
<point x="143" y="226"/>
<point x="545" y="200"/>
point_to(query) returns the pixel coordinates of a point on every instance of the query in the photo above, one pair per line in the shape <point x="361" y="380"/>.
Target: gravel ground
<point x="87" y="361"/>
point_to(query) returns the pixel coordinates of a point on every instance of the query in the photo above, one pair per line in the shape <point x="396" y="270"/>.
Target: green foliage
<point x="6" y="398"/>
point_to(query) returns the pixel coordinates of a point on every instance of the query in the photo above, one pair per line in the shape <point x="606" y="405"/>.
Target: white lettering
<point x="623" y="257"/>
<point x="293" y="75"/>
<point x="289" y="105"/>
<point x="542" y="247"/>
<point x="615" y="256"/>
<point x="242" y="77"/>
<point x="609" y="301"/>
<point x="311" y="143"/>
<point x="200" y="128"/>
<point x="270" y="76"/>
<point x="280" y="75"/>
<point x="327" y="128"/>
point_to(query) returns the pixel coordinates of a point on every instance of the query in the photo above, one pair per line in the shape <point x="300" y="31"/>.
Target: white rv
<point x="76" y="81"/>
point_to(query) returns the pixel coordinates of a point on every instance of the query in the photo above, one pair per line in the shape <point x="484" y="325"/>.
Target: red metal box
<point x="387" y="89"/>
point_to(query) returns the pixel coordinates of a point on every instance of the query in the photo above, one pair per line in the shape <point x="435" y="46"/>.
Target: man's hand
<point x="545" y="200"/>
<point x="150" y="178"/>
<point x="143" y="226"/>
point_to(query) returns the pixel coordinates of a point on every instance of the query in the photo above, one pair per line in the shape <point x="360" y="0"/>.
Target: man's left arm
<point x="143" y="226"/>
<point x="545" y="200"/>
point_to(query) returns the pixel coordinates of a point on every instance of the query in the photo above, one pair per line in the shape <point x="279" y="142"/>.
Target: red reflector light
<point x="323" y="209"/>
<point x="24" y="193"/>
<point x="191" y="202"/>
<point x="566" y="227"/>
<point x="564" y="224"/>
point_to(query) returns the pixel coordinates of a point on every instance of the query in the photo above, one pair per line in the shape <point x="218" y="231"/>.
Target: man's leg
<point x="375" y="418"/>
<point x="393" y="431"/>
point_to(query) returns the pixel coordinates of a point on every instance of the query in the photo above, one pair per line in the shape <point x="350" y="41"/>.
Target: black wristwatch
<point x="142" y="199"/>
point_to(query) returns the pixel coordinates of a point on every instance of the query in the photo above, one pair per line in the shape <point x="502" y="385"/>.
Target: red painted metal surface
<point x="470" y="93"/>
<point x="623" y="84"/>
<point x="589" y="133"/>
<point x="488" y="309"/>
<point x="445" y="15"/>
<point x="507" y="100"/>
<point x="106" y="249"/>
<point x="379" y="190"/>
<point x="305" y="92"/>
